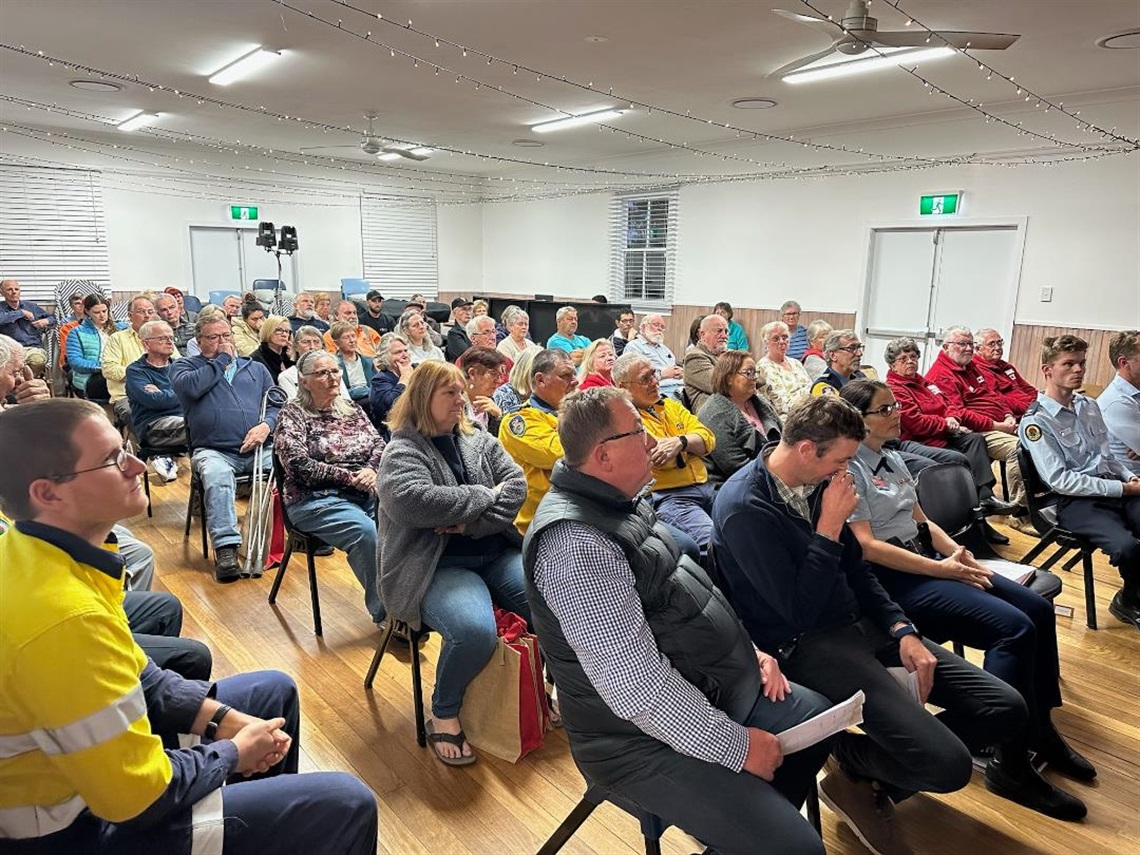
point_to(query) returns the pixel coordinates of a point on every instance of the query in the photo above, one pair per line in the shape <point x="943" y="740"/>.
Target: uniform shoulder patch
<point x="821" y="387"/>
<point x="1032" y="433"/>
<point x="517" y="425"/>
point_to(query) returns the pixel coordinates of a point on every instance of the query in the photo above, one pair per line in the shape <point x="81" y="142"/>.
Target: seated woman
<point x="511" y="396"/>
<point x="516" y="343"/>
<point x="356" y="371"/>
<point x="276" y="336"/>
<point x="305" y="339"/>
<point x="788" y="382"/>
<point x="448" y="495"/>
<point x="330" y="453"/>
<point x="84" y="347"/>
<point x="597" y="365"/>
<point x="484" y="369"/>
<point x="413" y="327"/>
<point x="247" y="328"/>
<point x="815" y="363"/>
<point x="393" y="371"/>
<point x="950" y="596"/>
<point x="741" y="420"/>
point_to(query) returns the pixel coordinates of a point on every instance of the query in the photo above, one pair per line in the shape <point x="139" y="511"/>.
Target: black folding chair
<point x="296" y="538"/>
<point x="197" y="500"/>
<point x="414" y="636"/>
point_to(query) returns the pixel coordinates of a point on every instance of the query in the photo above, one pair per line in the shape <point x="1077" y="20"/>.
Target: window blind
<point x="398" y="236"/>
<point x="643" y="239"/>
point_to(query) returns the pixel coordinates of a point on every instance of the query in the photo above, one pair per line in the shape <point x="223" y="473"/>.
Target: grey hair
<point x="623" y="368"/>
<point x="790" y="304"/>
<point x="770" y="327"/>
<point x="206" y="318"/>
<point x="304" y="398"/>
<point x="136" y="298"/>
<point x="511" y="314"/>
<point x="9" y="349"/>
<point x="151" y="326"/>
<point x="897" y="347"/>
<point x="958" y="328"/>
<point x="406" y="318"/>
<point x="306" y="331"/>
<point x="985" y="331"/>
<point x="162" y="297"/>
<point x="473" y="325"/>
<point x="816" y="329"/>
<point x="545" y="361"/>
<point x="381" y="361"/>
<point x="704" y="325"/>
<point x="647" y="318"/>
<point x="834" y="340"/>
<point x="563" y="312"/>
<point x="585" y="419"/>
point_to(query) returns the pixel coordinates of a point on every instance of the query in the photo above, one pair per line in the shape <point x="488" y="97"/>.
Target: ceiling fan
<point x="370" y="143"/>
<point x="858" y="32"/>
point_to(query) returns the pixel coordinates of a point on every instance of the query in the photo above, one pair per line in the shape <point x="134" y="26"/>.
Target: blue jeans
<point x="217" y="470"/>
<point x="347" y="522"/>
<point x="688" y="509"/>
<point x="457" y="605"/>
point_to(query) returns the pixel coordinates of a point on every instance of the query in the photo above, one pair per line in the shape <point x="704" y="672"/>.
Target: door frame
<point x="289" y="266"/>
<point x="1020" y="225"/>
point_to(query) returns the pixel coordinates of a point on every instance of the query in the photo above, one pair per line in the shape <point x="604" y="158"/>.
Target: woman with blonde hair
<point x="448" y="495"/>
<point x="413" y="327"/>
<point x="597" y="365"/>
<point x="516" y="391"/>
<point x="275" y="350"/>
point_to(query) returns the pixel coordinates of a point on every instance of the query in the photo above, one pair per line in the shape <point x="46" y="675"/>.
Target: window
<point x="398" y="236"/>
<point x="644" y="237"/>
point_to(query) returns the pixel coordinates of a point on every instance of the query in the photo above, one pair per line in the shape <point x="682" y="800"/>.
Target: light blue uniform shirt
<point x="576" y="342"/>
<point x="660" y="357"/>
<point x="1120" y="407"/>
<point x="1069" y="447"/>
<point x="886" y="494"/>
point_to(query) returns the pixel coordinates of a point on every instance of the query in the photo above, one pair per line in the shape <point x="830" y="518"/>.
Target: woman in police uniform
<point x="950" y="595"/>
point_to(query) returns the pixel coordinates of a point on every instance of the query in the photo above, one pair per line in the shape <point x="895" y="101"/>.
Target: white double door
<point x="923" y="280"/>
<point x="228" y="259"/>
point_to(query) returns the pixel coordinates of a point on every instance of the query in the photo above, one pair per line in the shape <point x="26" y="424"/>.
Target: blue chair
<point x="216" y="297"/>
<point x="268" y="284"/>
<point x="348" y="287"/>
<point x="191" y="302"/>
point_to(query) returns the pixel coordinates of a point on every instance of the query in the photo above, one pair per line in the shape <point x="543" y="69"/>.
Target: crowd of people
<point x="712" y="548"/>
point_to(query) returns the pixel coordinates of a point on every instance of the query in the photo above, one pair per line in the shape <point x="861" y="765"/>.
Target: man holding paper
<point x="665" y="700"/>
<point x="795" y="574"/>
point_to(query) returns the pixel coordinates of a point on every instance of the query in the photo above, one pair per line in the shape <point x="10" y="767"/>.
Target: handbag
<point x="505" y="712"/>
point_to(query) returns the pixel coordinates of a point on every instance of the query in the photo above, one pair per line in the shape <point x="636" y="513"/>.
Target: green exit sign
<point x="242" y="212"/>
<point x="942" y="203"/>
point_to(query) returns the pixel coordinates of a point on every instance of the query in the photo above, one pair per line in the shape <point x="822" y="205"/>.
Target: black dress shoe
<point x="993" y="535"/>
<point x="1124" y="610"/>
<point x="1062" y="758"/>
<point x="1028" y="788"/>
<point x="992" y="506"/>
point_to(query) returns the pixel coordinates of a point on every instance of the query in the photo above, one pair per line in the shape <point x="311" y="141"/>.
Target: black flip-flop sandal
<point x="456" y="739"/>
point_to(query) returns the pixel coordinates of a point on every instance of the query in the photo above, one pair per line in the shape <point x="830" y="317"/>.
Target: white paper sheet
<point x="818" y="728"/>
<point x="1019" y="573"/>
<point x="908" y="680"/>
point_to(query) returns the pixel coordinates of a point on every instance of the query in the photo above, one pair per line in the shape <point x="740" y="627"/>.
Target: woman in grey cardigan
<point x="448" y="495"/>
<point x="741" y="420"/>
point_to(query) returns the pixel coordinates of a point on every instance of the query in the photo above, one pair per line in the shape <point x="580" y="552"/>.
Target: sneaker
<point x="866" y="810"/>
<point x="1023" y="525"/>
<point x="165" y="468"/>
<point x="226" y="567"/>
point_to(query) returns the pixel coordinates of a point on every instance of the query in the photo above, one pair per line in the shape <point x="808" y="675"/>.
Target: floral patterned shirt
<point x="323" y="450"/>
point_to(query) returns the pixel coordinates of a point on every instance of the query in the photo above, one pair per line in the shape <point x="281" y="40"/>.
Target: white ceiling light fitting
<point x="243" y="66"/>
<point x="576" y="121"/>
<point x="525" y="143"/>
<point x="1127" y="40"/>
<point x="753" y="102"/>
<point x="95" y="85"/>
<point x="862" y="64"/>
<point x="138" y="120"/>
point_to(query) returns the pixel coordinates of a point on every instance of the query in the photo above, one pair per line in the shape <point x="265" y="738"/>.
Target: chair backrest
<point x="267" y="284"/>
<point x="949" y="498"/>
<point x="216" y="297"/>
<point x="191" y="302"/>
<point x="349" y="287"/>
<point x="1038" y="496"/>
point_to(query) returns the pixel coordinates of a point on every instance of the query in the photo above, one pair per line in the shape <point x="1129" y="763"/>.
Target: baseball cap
<point x="460" y="301"/>
<point x="374" y="295"/>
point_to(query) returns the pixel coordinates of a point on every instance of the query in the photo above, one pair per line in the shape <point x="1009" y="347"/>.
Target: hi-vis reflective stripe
<point x="207" y="825"/>
<point x="87" y="732"/>
<point x="39" y="820"/>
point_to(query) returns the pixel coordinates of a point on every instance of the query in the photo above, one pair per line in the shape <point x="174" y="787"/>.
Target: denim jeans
<point x="457" y="605"/>
<point x="347" y="522"/>
<point x="688" y="509"/>
<point x="217" y="470"/>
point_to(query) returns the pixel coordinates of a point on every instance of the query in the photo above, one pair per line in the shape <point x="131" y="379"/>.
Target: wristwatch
<point x="684" y="441"/>
<point x="899" y="632"/>
<point x="211" y="731"/>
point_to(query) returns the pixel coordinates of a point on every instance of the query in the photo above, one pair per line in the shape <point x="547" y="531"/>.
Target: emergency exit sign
<point x="942" y="203"/>
<point x="243" y="212"/>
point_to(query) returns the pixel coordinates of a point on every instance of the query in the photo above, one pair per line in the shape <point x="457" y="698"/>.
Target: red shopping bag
<point x="505" y="712"/>
<point x="276" y="550"/>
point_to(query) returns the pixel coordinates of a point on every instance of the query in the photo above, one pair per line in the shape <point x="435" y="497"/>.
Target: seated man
<point x="156" y="414"/>
<point x="665" y="700"/>
<point x="222" y="395"/>
<point x="567" y="337"/>
<point x="842" y="351"/>
<point x="1069" y="443"/>
<point x="367" y="339"/>
<point x="797" y="341"/>
<point x="123" y="348"/>
<point x="166" y="307"/>
<point x="623" y="332"/>
<point x="794" y="571"/>
<point x="16" y="378"/>
<point x="25" y="322"/>
<point x="456" y="330"/>
<point x="699" y="362"/>
<point x="1120" y="401"/>
<point x="682" y="494"/>
<point x="304" y="313"/>
<point x="1017" y="392"/>
<point x="650" y="345"/>
<point x="86" y="712"/>
<point x="231" y="305"/>
<point x="374" y="317"/>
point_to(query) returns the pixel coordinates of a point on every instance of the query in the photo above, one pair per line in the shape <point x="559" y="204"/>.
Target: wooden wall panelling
<point x="1024" y="351"/>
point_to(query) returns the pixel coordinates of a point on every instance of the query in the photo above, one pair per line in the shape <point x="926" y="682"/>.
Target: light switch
<point x="1047" y="294"/>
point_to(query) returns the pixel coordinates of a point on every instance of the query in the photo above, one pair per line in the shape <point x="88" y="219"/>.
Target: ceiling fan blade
<point x="802" y="61"/>
<point x="418" y="158"/>
<point x="319" y="147"/>
<point x="976" y="41"/>
<point x="802" y="19"/>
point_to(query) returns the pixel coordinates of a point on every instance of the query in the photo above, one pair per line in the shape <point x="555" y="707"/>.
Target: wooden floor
<point x="497" y="807"/>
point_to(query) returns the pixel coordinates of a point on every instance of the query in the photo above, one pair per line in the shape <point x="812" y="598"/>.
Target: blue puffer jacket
<point x="84" y="349"/>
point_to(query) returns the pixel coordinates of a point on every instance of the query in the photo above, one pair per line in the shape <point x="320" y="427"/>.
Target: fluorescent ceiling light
<point x="243" y="66"/>
<point x="389" y="156"/>
<point x="575" y="121"/>
<point x="138" y="120"/>
<point x="422" y="150"/>
<point x="857" y="66"/>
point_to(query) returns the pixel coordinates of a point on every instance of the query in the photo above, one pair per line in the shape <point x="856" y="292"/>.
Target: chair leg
<point x="1072" y="562"/>
<point x="190" y="504"/>
<point x="1044" y="543"/>
<point x="418" y="690"/>
<point x="281" y="568"/>
<point x="1061" y="552"/>
<point x="1090" y="593"/>
<point x="1004" y="480"/>
<point x="146" y="489"/>
<point x="202" y="516"/>
<point x="313" y="595"/>
<point x="959" y="650"/>
<point x="569" y="825"/>
<point x="813" y="808"/>
<point x="652" y="846"/>
<point x="380" y="650"/>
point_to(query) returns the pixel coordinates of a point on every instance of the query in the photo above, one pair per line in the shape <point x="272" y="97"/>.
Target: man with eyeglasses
<point x="650" y="345"/>
<point x="156" y="414"/>
<point x="623" y="332"/>
<point x="1018" y="392"/>
<point x="798" y="343"/>
<point x="666" y="702"/>
<point x="972" y="399"/>
<point x="121" y="349"/>
<point x="367" y="339"/>
<point x="222" y="396"/>
<point x="843" y="352"/>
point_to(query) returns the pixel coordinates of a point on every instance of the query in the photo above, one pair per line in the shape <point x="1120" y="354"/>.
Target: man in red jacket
<point x="972" y="400"/>
<point x="1018" y="392"/>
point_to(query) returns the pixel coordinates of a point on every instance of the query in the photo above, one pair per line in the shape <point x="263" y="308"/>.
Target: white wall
<point x="459" y="230"/>
<point x="148" y="238"/>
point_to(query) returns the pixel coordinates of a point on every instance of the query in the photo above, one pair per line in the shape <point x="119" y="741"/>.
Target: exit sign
<point x="939" y="204"/>
<point x="243" y="212"/>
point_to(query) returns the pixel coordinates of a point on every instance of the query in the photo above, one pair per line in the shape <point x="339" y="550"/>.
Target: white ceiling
<point x="687" y="57"/>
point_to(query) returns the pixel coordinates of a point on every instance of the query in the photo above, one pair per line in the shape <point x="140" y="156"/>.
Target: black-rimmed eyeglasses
<point x="640" y="431"/>
<point x="884" y="411"/>
<point x="123" y="459"/>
